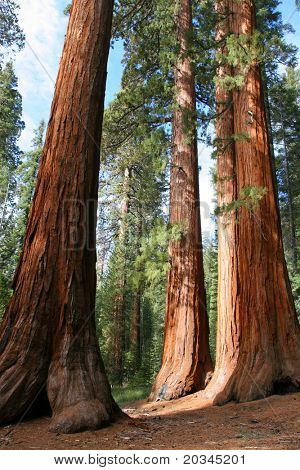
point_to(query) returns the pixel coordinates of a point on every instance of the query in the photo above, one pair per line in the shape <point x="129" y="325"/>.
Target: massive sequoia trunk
<point x="48" y="337"/>
<point x="258" y="345"/>
<point x="186" y="358"/>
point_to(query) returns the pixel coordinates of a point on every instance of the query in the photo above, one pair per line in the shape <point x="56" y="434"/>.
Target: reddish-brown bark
<point x="258" y="345"/>
<point x="48" y="337"/>
<point x="186" y="358"/>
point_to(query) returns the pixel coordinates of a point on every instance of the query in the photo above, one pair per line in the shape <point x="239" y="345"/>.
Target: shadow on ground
<point x="189" y="423"/>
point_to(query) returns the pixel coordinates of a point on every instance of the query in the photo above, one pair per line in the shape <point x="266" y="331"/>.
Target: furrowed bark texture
<point x="48" y="335"/>
<point x="186" y="358"/>
<point x="258" y="345"/>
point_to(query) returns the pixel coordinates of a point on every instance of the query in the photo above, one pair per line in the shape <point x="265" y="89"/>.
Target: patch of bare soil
<point x="188" y="423"/>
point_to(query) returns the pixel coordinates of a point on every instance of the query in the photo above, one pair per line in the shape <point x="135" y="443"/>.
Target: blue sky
<point x="36" y="67"/>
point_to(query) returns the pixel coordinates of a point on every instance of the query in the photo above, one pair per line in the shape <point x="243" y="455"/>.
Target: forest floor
<point x="188" y="423"/>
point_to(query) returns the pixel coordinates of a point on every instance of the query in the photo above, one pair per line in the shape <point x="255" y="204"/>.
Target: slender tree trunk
<point x="136" y="329"/>
<point x="186" y="358"/>
<point x="258" y="345"/>
<point x="136" y="317"/>
<point x="119" y="307"/>
<point x="48" y="336"/>
<point x="292" y="227"/>
<point x="4" y="207"/>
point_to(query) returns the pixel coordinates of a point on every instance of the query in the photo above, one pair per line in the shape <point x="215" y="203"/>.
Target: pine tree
<point x="131" y="187"/>
<point x="10" y="129"/>
<point x="11" y="36"/>
<point x="211" y="286"/>
<point x="27" y="173"/>
<point x="284" y="95"/>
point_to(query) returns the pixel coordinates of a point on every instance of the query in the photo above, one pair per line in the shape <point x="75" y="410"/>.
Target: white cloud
<point x="207" y="192"/>
<point x="36" y="65"/>
<point x="25" y="140"/>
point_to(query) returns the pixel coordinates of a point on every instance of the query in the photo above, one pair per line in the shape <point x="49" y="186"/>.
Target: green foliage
<point x="284" y="96"/>
<point x="295" y="282"/>
<point x="10" y="128"/>
<point x="281" y="92"/>
<point x="210" y="260"/>
<point x="143" y="156"/>
<point x="242" y="52"/>
<point x="130" y="393"/>
<point x="152" y="264"/>
<point x="11" y="35"/>
<point x="242" y="136"/>
<point x="137" y="136"/>
<point x="249" y="198"/>
<point x="27" y="173"/>
<point x="67" y="10"/>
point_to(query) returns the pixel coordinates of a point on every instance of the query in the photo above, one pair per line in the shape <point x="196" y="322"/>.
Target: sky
<point x="36" y="66"/>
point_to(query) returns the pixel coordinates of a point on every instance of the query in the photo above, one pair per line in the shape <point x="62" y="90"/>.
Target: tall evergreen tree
<point x="211" y="285"/>
<point x="285" y="95"/>
<point x="10" y="129"/>
<point x="11" y="36"/>
<point x="27" y="173"/>
<point x="131" y="189"/>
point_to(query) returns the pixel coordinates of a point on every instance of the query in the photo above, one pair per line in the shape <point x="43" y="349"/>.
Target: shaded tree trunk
<point x="136" y="316"/>
<point x="258" y="345"/>
<point x="186" y="358"/>
<point x="135" y="345"/>
<point x="119" y="307"/>
<point x="48" y="337"/>
<point x="136" y="330"/>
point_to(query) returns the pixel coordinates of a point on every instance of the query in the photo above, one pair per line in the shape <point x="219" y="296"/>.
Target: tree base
<point x="78" y="394"/>
<point x="86" y="415"/>
<point x="241" y="385"/>
<point x="175" y="389"/>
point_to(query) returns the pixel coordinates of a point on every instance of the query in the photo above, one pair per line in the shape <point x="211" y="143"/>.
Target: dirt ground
<point x="188" y="423"/>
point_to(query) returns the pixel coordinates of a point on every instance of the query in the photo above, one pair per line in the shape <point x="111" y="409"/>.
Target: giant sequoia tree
<point x="258" y="345"/>
<point x="48" y="337"/>
<point x="186" y="358"/>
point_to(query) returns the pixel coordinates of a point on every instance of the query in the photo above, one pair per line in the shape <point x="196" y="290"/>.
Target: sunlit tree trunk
<point x="186" y="358"/>
<point x="258" y="345"/>
<point x="48" y="337"/>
